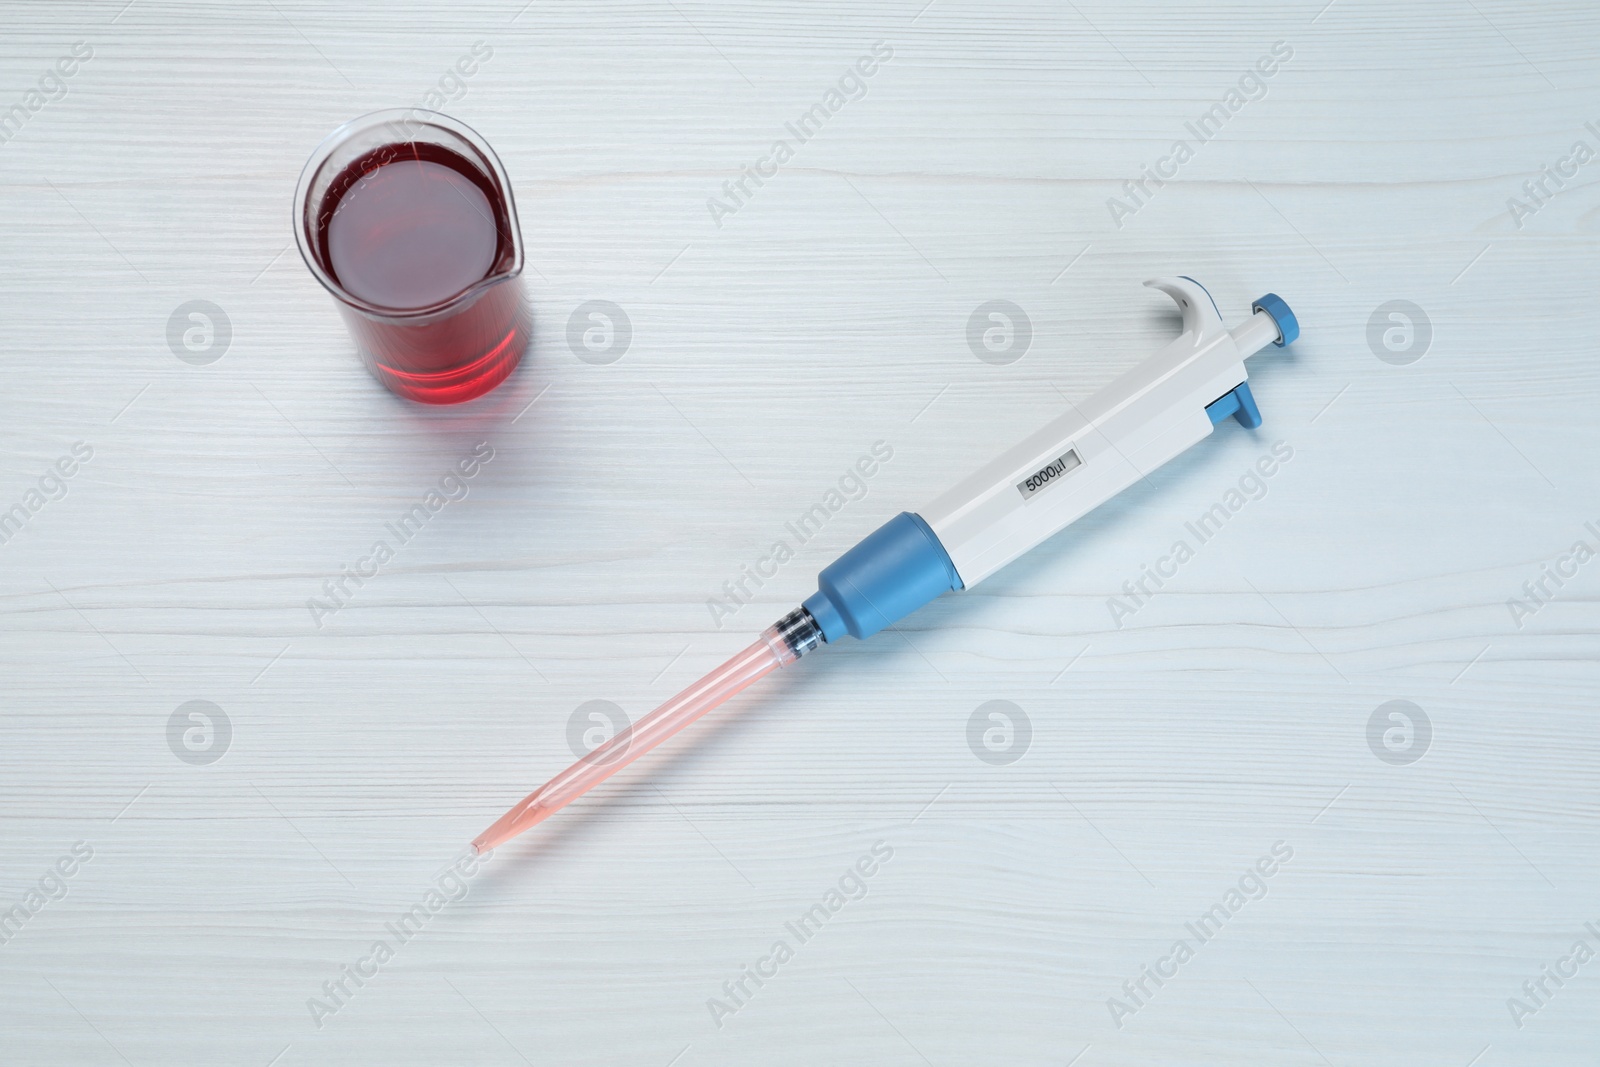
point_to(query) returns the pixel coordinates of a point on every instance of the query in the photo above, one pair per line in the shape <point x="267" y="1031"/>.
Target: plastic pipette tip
<point x="490" y="838"/>
<point x="493" y="838"/>
<point x="510" y="824"/>
<point x="760" y="659"/>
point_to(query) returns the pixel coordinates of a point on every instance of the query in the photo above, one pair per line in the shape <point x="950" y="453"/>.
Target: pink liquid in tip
<point x="723" y="683"/>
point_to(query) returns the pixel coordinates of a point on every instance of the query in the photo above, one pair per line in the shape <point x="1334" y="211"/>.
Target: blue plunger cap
<point x="1288" y="325"/>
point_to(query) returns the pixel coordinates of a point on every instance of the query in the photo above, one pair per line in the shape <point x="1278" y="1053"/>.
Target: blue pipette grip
<point x="895" y="570"/>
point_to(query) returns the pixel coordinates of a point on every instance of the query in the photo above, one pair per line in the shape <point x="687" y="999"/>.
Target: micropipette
<point x="1148" y="416"/>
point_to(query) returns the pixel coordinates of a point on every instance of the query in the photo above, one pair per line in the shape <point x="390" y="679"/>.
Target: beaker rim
<point x="403" y="116"/>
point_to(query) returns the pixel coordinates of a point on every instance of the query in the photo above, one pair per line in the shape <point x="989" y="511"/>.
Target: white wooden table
<point x="237" y="870"/>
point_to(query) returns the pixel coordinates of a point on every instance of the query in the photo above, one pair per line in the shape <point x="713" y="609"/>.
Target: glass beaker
<point x="406" y="217"/>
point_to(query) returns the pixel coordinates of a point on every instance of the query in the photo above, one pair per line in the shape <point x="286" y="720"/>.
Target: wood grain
<point x="830" y="311"/>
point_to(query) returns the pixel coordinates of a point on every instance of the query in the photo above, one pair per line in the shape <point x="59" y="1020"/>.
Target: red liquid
<point x="410" y="227"/>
